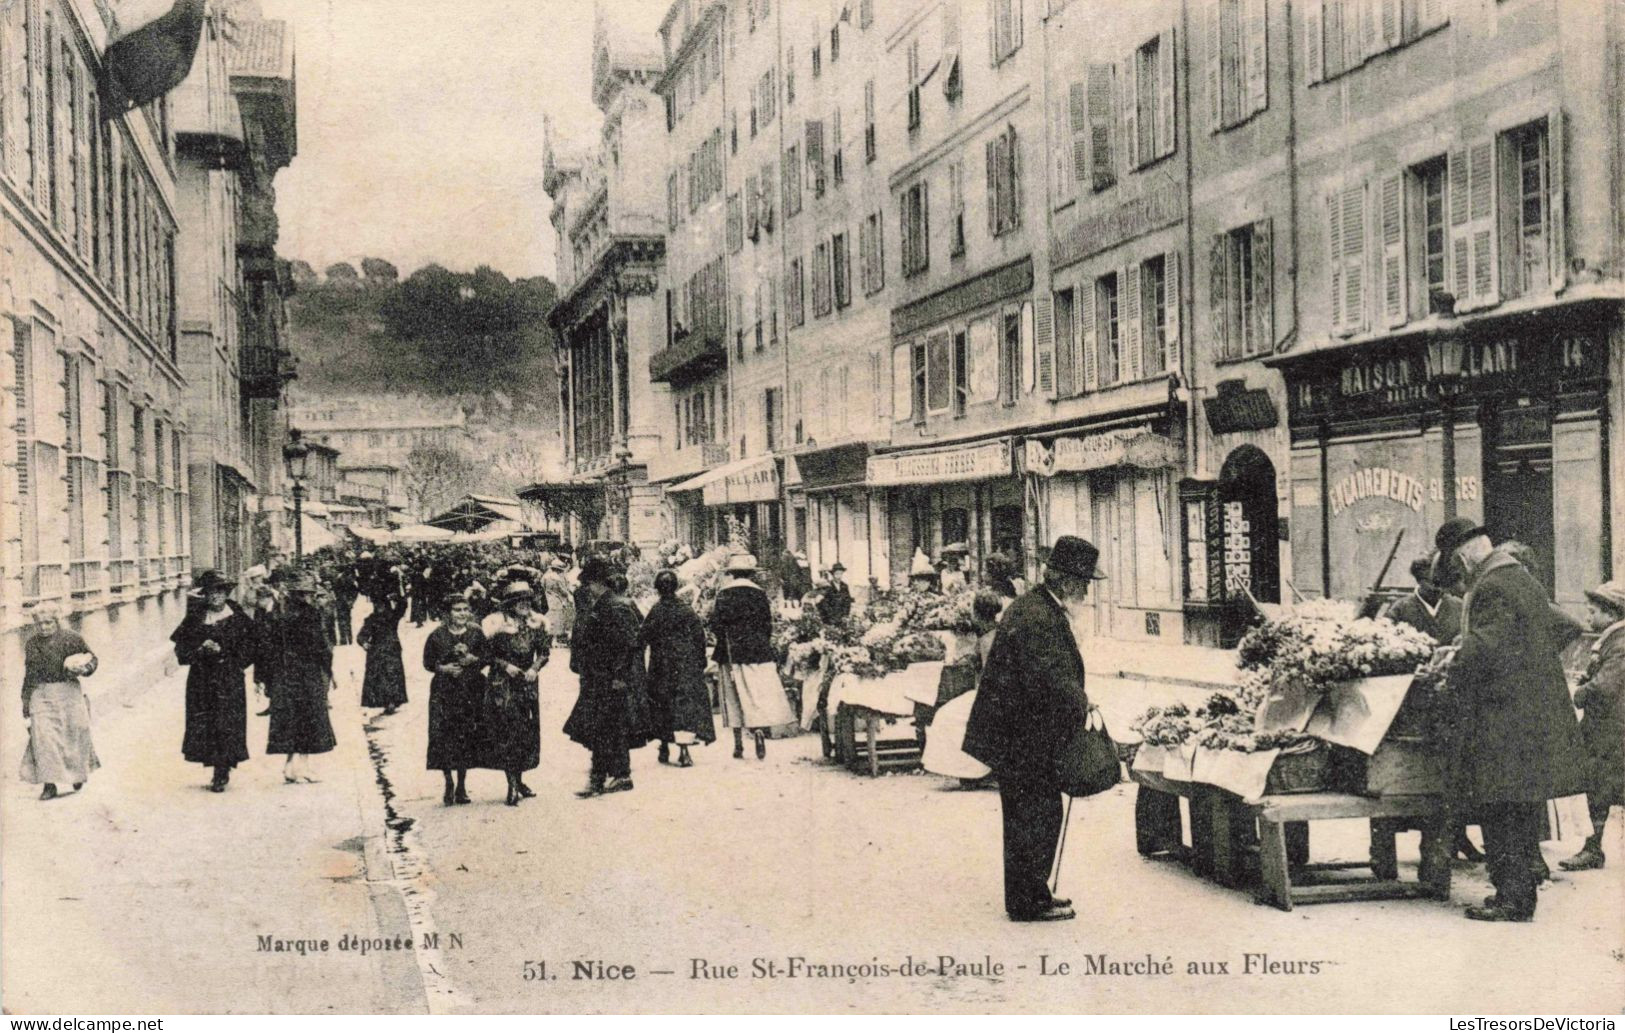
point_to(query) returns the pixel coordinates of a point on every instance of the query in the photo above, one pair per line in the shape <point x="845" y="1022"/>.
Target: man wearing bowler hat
<point x="1029" y="702"/>
<point x="1518" y="742"/>
<point x="835" y="604"/>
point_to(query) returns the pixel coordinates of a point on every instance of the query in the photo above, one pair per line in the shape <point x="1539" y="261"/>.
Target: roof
<point x="261" y="49"/>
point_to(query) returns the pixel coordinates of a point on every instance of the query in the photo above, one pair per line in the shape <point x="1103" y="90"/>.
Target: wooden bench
<point x="862" y="744"/>
<point x="1266" y="844"/>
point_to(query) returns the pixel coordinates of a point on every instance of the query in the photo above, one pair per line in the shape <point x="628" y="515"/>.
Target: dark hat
<point x="518" y="590"/>
<point x="595" y="570"/>
<point x="1073" y="555"/>
<point x="1454" y="534"/>
<point x="1422" y="569"/>
<point x="837" y="566"/>
<point x="209" y="580"/>
<point x="301" y="582"/>
<point x="956" y="549"/>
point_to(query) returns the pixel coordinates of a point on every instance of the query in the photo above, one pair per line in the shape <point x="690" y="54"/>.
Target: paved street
<point x="145" y="875"/>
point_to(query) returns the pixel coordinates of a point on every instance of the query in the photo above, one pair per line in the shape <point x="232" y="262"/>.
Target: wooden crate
<point x="1404" y="767"/>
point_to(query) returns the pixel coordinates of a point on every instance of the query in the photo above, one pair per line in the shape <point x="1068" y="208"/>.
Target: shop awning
<point x="978" y="461"/>
<point x="836" y="467"/>
<point x="314" y="535"/>
<point x="477" y="512"/>
<point x="744" y="480"/>
<point x="375" y="535"/>
<point x="1126" y="446"/>
<point x="422" y="533"/>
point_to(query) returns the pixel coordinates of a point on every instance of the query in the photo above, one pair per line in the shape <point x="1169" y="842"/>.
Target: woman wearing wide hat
<point x="384" y="682"/>
<point x="742" y="623"/>
<point x="517" y="649"/>
<point x="54" y="705"/>
<point x="301" y="678"/>
<point x="679" y="699"/>
<point x="217" y="642"/>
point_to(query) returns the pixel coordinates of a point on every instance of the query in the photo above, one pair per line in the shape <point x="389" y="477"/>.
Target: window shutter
<point x="1061" y="138"/>
<point x="1314" y="40"/>
<point x="1214" y="40"/>
<point x="752" y="207"/>
<point x="1044" y="336"/>
<point x="1091" y="335"/>
<point x="81" y="131"/>
<point x="1255" y="56"/>
<point x="38" y="43"/>
<point x="1133" y="340"/>
<point x="1370" y="28"/>
<point x="1264" y="286"/>
<point x="1165" y="94"/>
<point x="1556" y="157"/>
<point x="11" y="145"/>
<point x="1130" y="105"/>
<point x="1066" y="342"/>
<point x="1391" y="213"/>
<point x="1392" y="23"/>
<point x="1460" y="267"/>
<point x="1218" y="282"/>
<point x="1353" y="12"/>
<point x="1481" y="225"/>
<point x="1013" y="145"/>
<point x="1078" y="124"/>
<point x="1354" y="257"/>
<point x="1103" y="163"/>
<point x="1433" y="14"/>
<point x="993" y="147"/>
<point x="1173" y="310"/>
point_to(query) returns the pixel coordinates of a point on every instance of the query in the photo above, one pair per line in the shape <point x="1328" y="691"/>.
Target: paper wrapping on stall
<point x="1287" y="708"/>
<point x="1150" y="758"/>
<point x="957" y="646"/>
<point x="920" y="682"/>
<point x="810" y="691"/>
<point x="1245" y="774"/>
<point x="894" y="694"/>
<point x="1178" y="762"/>
<point x="1357" y="714"/>
<point x="944" y="742"/>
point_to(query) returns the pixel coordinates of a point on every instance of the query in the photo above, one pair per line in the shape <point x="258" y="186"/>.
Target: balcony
<point x="265" y="371"/>
<point x="693" y="356"/>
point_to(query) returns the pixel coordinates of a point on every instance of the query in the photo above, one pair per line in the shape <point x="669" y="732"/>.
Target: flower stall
<point x="1333" y="717"/>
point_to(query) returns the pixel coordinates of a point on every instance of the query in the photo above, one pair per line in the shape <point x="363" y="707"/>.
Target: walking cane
<point x="1060" y="849"/>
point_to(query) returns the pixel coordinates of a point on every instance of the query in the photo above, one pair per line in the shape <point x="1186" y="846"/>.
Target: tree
<point x="342" y="273"/>
<point x="436" y="476"/>
<point x="379" y="273"/>
<point x="303" y="273"/>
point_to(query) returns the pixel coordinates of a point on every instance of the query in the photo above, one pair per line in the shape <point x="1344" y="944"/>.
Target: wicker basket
<point x="1301" y="769"/>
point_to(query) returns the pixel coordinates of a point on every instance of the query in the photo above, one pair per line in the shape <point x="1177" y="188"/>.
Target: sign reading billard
<point x="758" y="483"/>
<point x="971" y="463"/>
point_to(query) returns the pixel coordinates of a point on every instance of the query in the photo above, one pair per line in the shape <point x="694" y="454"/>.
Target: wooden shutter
<point x="1078" y="94"/>
<point x="753" y="208"/>
<point x="1173" y="309"/>
<point x="1255" y="78"/>
<point x="1131" y="368"/>
<point x="1263" y="313"/>
<point x="82" y="128"/>
<point x="1354" y="257"/>
<point x="1103" y="163"/>
<point x="1218" y="282"/>
<point x="1066" y="343"/>
<point x="1556" y="157"/>
<point x="1044" y="337"/>
<point x="1091" y="334"/>
<point x="1353" y="41"/>
<point x="1391" y="23"/>
<point x="1457" y="183"/>
<point x="38" y="48"/>
<point x="1433" y="14"/>
<point x="1482" y="226"/>
<point x="1370" y="28"/>
<point x="1213" y="37"/>
<point x="1166" y="66"/>
<point x="1061" y="162"/>
<point x="14" y="84"/>
<point x="1391" y="217"/>
<point x="993" y="147"/>
<point x="1314" y="40"/>
<point x="1130" y="106"/>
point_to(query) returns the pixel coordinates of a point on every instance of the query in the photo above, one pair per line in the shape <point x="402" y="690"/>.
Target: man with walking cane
<point x="1029" y="704"/>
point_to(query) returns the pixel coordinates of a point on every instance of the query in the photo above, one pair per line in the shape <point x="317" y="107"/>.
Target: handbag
<point x="1087" y="763"/>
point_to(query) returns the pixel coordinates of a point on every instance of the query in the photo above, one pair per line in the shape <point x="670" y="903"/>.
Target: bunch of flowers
<point x="1319" y="651"/>
<point x="671" y="554"/>
<point x="955" y="611"/>
<point x="1167" y="726"/>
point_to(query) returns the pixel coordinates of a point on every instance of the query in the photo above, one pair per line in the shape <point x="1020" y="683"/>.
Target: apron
<point x="59" y="747"/>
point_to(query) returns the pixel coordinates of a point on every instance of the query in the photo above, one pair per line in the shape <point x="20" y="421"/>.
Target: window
<point x="918" y="377"/>
<point x="760" y="308"/>
<point x="1003" y="183"/>
<point x="1341" y="35"/>
<point x="1148" y="101"/>
<point x="902" y="382"/>
<point x="764" y="186"/>
<point x="817" y="62"/>
<point x="1236" y="69"/>
<point x="913" y="72"/>
<point x="767" y="96"/>
<point x="956" y="209"/>
<point x="1346" y="258"/>
<point x="823" y="276"/>
<point x="772" y="413"/>
<point x="791" y="173"/>
<point x="672" y="207"/>
<point x="939" y="373"/>
<point x="815" y="157"/>
<point x="1067" y="378"/>
<point x="753" y="207"/>
<point x="869" y="121"/>
<point x="795" y="309"/>
<point x="916" y="232"/>
<point x="1155" y="304"/>
<point x="789" y="77"/>
<point x="736" y="224"/>
<point x="871" y="246"/>
<point x="1006" y="34"/>
<point x="843" y="270"/>
<point x="836" y="168"/>
<point x="1527" y="218"/>
<point x="961" y="360"/>
<point x="1431" y="232"/>
<point x="1010" y="356"/>
<point x="834" y="43"/>
<point x="1108" y="329"/>
<point x="1242" y="291"/>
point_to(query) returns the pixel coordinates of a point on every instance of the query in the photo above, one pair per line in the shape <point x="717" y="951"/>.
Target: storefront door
<point x="1252" y="558"/>
<point x="1518" y="483"/>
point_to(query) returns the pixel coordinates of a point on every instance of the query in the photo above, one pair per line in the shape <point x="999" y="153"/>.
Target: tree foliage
<point x="379" y="273"/>
<point x="342" y="271"/>
<point x="435" y="476"/>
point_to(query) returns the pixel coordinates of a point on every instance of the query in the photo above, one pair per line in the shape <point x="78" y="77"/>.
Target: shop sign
<point x="1129" y="447"/>
<point x="756" y="484"/>
<point x="972" y="463"/>
<point x="1236" y="408"/>
<point x="1162" y="204"/>
<point x="1381" y="482"/>
<point x="1409" y="376"/>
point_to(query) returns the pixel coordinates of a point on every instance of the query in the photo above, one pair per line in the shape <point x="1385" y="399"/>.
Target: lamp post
<point x="296" y="454"/>
<point x="1444" y="368"/>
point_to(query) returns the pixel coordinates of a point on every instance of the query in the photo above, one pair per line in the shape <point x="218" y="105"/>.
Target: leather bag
<point x="1087" y="764"/>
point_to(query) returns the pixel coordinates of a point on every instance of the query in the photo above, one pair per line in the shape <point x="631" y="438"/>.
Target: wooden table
<point x="1265" y="844"/>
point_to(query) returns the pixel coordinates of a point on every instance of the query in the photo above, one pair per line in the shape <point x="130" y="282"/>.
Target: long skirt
<point x="299" y="719"/>
<point x="561" y="611"/>
<point x="511" y="725"/>
<point x="59" y="748"/>
<point x="753" y="696"/>
<point x="384" y="684"/>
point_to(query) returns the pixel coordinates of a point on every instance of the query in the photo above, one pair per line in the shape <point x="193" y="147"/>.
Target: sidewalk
<point x="147" y="893"/>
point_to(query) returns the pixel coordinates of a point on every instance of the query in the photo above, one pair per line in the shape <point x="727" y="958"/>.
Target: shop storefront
<point x="963" y="493"/>
<point x="1115" y="488"/>
<point x="745" y="492"/>
<point x="840" y="517"/>
<point x="1505" y="422"/>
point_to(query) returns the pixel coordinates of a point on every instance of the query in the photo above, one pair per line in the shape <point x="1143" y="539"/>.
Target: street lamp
<point x="297" y="455"/>
<point x="1444" y="358"/>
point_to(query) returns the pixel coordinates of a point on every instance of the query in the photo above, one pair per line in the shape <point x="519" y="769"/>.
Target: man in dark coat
<point x="835" y="605"/>
<point x="217" y="642"/>
<point x="1029" y="703"/>
<point x="1519" y="743"/>
<point x="1429" y="608"/>
<point x="604" y="651"/>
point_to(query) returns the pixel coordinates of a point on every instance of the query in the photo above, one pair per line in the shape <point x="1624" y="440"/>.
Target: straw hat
<point x="1610" y="594"/>
<point x="741" y="563"/>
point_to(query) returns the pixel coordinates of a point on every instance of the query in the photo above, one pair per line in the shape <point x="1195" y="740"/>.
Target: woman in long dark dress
<point x="678" y="697"/>
<point x="455" y="652"/>
<point x="217" y="641"/>
<point x="301" y="677"/>
<point x="517" y="649"/>
<point x="384" y="684"/>
<point x="58" y="715"/>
